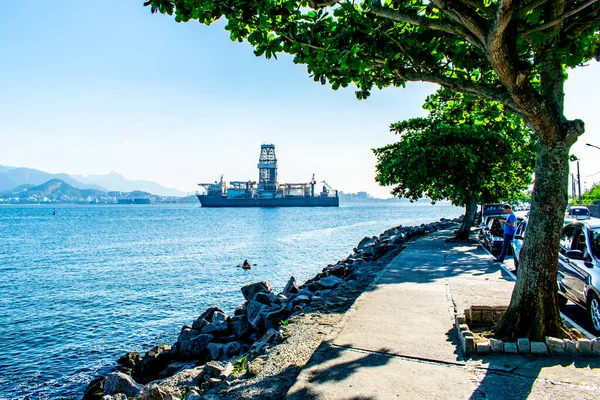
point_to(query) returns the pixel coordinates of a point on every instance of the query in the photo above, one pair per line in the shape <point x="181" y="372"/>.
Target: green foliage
<point x="284" y="322"/>
<point x="386" y="43"/>
<point x="466" y="148"/>
<point x="590" y="197"/>
<point x="239" y="365"/>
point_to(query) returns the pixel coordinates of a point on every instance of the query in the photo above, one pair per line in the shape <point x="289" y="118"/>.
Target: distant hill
<point x="115" y="181"/>
<point x="11" y="178"/>
<point x="56" y="190"/>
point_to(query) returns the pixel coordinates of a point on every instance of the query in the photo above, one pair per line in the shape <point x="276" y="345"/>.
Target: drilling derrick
<point x="267" y="168"/>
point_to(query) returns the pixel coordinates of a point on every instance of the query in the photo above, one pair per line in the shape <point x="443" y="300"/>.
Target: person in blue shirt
<point x="510" y="226"/>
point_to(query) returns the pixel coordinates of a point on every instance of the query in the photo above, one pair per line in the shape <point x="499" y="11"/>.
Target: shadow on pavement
<point x="514" y="377"/>
<point x="337" y="371"/>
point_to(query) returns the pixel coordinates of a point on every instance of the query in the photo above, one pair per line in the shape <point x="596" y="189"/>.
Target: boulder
<point x="217" y="329"/>
<point x="130" y="363"/>
<point x="118" y="396"/>
<point x="329" y="282"/>
<point x="118" y="382"/>
<point x="239" y="310"/>
<point x="175" y="367"/>
<point x="208" y="314"/>
<point x="192" y="344"/>
<point x="215" y="350"/>
<point x="153" y="362"/>
<point x="219" y="316"/>
<point x="267" y="298"/>
<point x="239" y="326"/>
<point x="367" y="242"/>
<point x="173" y="387"/>
<point x="273" y="319"/>
<point x="291" y="287"/>
<point x="193" y="395"/>
<point x="94" y="389"/>
<point x="231" y="349"/>
<point x="218" y="369"/>
<point x="256" y="312"/>
<point x="199" y="323"/>
<point x="258" y="287"/>
<point x="337" y="270"/>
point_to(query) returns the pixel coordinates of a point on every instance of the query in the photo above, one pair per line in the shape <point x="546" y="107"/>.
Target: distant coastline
<point x="57" y="191"/>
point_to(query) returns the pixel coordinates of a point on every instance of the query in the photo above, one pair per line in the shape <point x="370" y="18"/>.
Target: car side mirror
<point x="574" y="254"/>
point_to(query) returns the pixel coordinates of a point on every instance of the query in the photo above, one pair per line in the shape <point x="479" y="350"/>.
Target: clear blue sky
<point x="91" y="87"/>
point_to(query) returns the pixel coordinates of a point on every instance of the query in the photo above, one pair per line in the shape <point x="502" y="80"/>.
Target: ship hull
<point x="219" y="201"/>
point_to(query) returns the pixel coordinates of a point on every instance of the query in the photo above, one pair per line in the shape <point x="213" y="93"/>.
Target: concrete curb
<point x="551" y="346"/>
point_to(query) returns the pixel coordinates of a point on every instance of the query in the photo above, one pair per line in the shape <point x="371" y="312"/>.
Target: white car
<point x="578" y="213"/>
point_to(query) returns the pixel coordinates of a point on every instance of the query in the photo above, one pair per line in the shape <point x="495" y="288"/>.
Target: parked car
<point x="578" y="213"/>
<point x="517" y="242"/>
<point x="579" y="267"/>
<point x="492" y="234"/>
<point x="485" y="223"/>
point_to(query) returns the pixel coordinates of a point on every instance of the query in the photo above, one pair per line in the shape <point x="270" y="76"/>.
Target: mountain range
<point x="56" y="190"/>
<point x="15" y="177"/>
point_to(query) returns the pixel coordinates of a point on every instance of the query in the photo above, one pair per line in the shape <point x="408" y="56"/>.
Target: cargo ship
<point x="266" y="192"/>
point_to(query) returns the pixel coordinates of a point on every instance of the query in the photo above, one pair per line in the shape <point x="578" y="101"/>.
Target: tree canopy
<point x="516" y="52"/>
<point x="468" y="150"/>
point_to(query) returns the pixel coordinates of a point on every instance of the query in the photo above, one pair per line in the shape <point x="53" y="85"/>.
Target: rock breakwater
<point x="259" y="350"/>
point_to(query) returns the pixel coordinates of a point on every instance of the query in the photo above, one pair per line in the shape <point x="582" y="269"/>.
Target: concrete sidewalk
<point x="397" y="341"/>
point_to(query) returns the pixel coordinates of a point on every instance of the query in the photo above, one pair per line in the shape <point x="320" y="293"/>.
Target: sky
<point x="93" y="87"/>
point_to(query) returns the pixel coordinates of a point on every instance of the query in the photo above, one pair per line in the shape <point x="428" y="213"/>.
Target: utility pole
<point x="578" y="182"/>
<point x="573" y="157"/>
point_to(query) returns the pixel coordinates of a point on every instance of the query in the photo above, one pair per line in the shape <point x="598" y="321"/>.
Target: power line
<point x="587" y="176"/>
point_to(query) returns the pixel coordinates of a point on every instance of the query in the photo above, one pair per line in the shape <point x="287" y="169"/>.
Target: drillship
<point x="267" y="192"/>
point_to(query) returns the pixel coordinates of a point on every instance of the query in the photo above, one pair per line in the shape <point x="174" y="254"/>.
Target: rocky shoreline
<point x="258" y="351"/>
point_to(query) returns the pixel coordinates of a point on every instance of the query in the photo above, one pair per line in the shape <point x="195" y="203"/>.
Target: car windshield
<point x="497" y="228"/>
<point x="580" y="211"/>
<point x="595" y="241"/>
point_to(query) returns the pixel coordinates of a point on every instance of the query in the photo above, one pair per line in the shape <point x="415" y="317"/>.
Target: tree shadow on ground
<point x="512" y="376"/>
<point x="336" y="370"/>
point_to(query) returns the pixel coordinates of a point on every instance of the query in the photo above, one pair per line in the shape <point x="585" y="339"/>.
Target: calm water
<point x="79" y="289"/>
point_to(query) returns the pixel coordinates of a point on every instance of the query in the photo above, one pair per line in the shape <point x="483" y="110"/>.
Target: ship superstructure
<point x="266" y="192"/>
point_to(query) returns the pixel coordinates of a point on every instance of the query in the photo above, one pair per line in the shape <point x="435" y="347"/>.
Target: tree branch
<point x="464" y="17"/>
<point x="529" y="7"/>
<point x="480" y="7"/>
<point x="453" y="29"/>
<point x="323" y="4"/>
<point x="462" y="86"/>
<point x="559" y="19"/>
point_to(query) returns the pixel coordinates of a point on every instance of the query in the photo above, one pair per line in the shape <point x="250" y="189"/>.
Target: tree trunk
<point x="470" y="211"/>
<point x="533" y="310"/>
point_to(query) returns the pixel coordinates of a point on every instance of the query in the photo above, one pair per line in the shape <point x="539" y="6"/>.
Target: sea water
<point x="80" y="288"/>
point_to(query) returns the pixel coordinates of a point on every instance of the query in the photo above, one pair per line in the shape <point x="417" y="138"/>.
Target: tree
<point x="513" y="51"/>
<point x="467" y="150"/>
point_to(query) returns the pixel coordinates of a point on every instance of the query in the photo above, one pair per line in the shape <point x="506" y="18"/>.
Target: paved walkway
<point x="397" y="341"/>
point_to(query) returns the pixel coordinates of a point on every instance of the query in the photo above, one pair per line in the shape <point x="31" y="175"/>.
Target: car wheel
<point x="594" y="310"/>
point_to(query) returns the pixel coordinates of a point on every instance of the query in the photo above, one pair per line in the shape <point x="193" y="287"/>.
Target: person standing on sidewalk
<point x="510" y="226"/>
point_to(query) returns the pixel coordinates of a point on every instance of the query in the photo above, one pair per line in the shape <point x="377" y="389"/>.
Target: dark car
<point x="485" y="223"/>
<point x="492" y="234"/>
<point x="517" y="242"/>
<point x="579" y="267"/>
